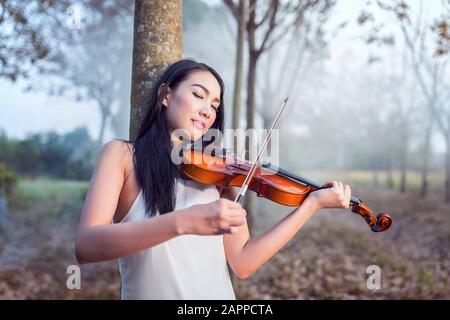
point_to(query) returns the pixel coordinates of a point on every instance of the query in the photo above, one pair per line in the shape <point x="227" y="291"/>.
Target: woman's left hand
<point x="333" y="194"/>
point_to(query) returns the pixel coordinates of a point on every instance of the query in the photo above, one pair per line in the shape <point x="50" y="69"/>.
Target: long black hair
<point x="155" y="172"/>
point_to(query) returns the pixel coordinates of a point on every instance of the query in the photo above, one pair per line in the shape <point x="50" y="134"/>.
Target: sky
<point x="23" y="113"/>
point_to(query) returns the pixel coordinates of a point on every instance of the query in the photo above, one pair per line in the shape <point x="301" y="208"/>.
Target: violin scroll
<point x="383" y="223"/>
<point x="380" y="223"/>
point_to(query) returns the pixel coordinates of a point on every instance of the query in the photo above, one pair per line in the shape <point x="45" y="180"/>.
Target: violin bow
<point x="252" y="170"/>
<point x="378" y="223"/>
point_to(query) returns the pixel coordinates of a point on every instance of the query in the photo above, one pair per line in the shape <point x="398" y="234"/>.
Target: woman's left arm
<point x="245" y="255"/>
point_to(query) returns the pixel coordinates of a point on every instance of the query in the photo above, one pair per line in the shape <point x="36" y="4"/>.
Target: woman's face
<point x="193" y="105"/>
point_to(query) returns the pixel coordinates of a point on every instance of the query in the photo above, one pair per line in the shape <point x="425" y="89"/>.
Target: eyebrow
<point x="204" y="88"/>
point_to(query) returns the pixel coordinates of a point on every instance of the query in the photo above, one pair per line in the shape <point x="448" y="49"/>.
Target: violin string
<point x="252" y="170"/>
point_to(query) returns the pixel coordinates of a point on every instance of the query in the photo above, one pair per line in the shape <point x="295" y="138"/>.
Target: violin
<point x="221" y="168"/>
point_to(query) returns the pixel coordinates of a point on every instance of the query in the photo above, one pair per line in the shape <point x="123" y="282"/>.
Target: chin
<point x="188" y="133"/>
<point x="196" y="135"/>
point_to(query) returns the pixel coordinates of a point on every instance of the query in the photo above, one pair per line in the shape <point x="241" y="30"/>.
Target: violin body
<point x="268" y="181"/>
<point x="264" y="183"/>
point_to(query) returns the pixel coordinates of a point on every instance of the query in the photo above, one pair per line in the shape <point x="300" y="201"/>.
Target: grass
<point x="43" y="188"/>
<point x="57" y="196"/>
<point x="364" y="178"/>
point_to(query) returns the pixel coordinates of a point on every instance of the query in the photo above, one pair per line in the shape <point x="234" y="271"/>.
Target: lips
<point x="199" y="124"/>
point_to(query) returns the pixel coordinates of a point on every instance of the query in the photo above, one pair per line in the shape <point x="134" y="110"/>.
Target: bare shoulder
<point x="117" y="147"/>
<point x="117" y="151"/>
<point x="106" y="184"/>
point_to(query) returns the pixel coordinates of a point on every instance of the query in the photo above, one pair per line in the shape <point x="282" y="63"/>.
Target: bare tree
<point x="433" y="69"/>
<point x="266" y="24"/>
<point x="403" y="89"/>
<point x="429" y="67"/>
<point x="88" y="61"/>
<point x="97" y="67"/>
<point x="283" y="69"/>
<point x="442" y="29"/>
<point x="27" y="35"/>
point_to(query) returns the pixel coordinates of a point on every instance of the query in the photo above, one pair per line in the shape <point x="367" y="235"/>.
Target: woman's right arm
<point x="99" y="240"/>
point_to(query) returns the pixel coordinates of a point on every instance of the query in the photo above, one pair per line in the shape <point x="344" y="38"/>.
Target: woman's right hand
<point x="213" y="218"/>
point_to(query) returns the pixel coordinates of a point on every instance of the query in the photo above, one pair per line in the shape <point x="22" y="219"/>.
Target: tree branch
<point x="274" y="9"/>
<point x="233" y="8"/>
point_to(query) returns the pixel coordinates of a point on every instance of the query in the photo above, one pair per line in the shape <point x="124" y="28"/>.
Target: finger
<point x="224" y="230"/>
<point x="327" y="184"/>
<point x="335" y="185"/>
<point x="347" y="191"/>
<point x="235" y="212"/>
<point x="341" y="186"/>
<point x="228" y="230"/>
<point x="236" y="220"/>
<point x="232" y="204"/>
<point x="232" y="230"/>
<point x="230" y="159"/>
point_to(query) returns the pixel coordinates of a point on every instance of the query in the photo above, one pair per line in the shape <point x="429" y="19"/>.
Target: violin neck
<point x="291" y="176"/>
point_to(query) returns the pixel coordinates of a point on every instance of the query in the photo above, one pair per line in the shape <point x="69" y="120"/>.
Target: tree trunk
<point x="375" y="178"/>
<point x="249" y="203"/>
<point x="238" y="86"/>
<point x="239" y="65"/>
<point x="3" y="207"/>
<point x="157" y="42"/>
<point x="251" y="92"/>
<point x="403" y="176"/>
<point x="105" y="114"/>
<point x="447" y="168"/>
<point x="101" y="134"/>
<point x="403" y="160"/>
<point x="389" y="177"/>
<point x="425" y="159"/>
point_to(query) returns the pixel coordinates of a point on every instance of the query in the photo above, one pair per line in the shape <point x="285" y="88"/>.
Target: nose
<point x="205" y="111"/>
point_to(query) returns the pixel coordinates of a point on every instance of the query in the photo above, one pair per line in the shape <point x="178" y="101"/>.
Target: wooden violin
<point x="219" y="167"/>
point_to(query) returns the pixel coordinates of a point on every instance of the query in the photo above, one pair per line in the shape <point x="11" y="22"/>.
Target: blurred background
<point x="369" y="89"/>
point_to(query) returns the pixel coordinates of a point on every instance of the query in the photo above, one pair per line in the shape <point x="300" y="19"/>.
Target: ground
<point x="327" y="259"/>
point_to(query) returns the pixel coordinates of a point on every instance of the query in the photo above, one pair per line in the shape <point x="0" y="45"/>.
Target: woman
<point x="173" y="236"/>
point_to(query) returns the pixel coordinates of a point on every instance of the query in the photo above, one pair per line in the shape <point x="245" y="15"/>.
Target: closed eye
<point x="200" y="97"/>
<point x="197" y="95"/>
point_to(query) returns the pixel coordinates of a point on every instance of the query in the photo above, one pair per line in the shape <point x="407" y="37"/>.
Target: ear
<point x="165" y="100"/>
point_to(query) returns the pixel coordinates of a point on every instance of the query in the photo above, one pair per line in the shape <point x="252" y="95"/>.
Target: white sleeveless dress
<point x="184" y="267"/>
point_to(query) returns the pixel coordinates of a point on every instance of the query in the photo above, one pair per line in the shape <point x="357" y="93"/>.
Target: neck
<point x="174" y="140"/>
